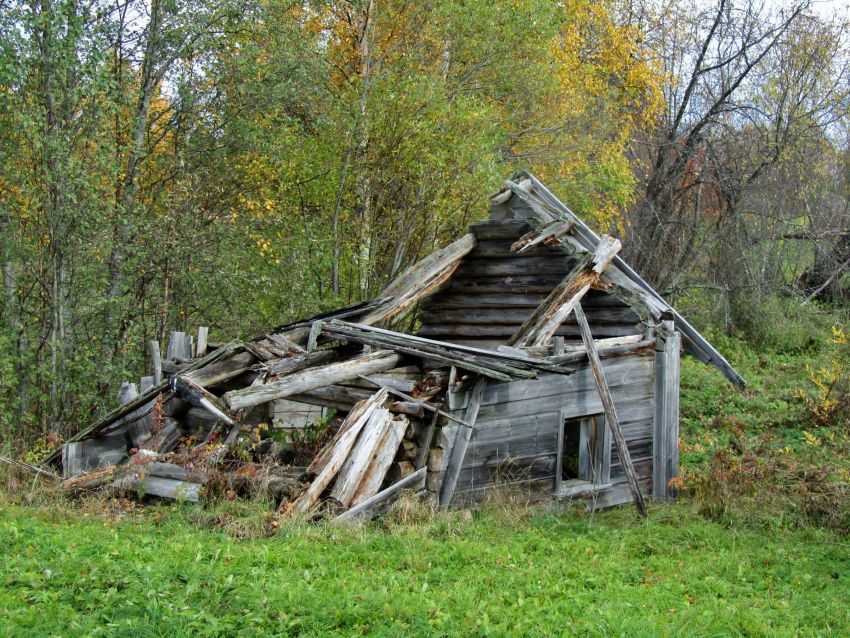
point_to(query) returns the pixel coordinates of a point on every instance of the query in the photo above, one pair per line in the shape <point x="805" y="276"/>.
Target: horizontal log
<point x="525" y="266"/>
<point x="223" y="370"/>
<point x="510" y="229"/>
<point x="310" y="379"/>
<point x="494" y="332"/>
<point x="515" y="317"/>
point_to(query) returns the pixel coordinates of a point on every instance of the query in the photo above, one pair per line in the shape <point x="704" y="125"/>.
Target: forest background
<point x="166" y="164"/>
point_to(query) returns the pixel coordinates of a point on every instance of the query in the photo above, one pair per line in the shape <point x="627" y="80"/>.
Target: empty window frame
<point x="584" y="452"/>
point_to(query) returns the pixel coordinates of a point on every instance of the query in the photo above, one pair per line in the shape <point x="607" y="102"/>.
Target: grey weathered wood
<point x="370" y="506"/>
<point x="146" y="383"/>
<point x="621" y="372"/>
<point x="158" y="486"/>
<point x="93" y="454"/>
<point x="343" y="398"/>
<point x="604" y="353"/>
<point x="503" y="332"/>
<point x="423" y="404"/>
<point x="610" y="410"/>
<point x="461" y="442"/>
<point x="311" y="379"/>
<point x="282" y="367"/>
<point x="189" y="346"/>
<point x="666" y="418"/>
<point x="315" y="331"/>
<point x="141" y="400"/>
<point x="156" y="362"/>
<point x="361" y="410"/>
<point x="489" y="362"/>
<point x="236" y="364"/>
<point x="516" y="316"/>
<point x="548" y="232"/>
<point x="539" y="328"/>
<point x="332" y="458"/>
<point x="512" y="230"/>
<point x="201" y="347"/>
<point x="516" y="266"/>
<point x="381" y="461"/>
<point x="354" y="468"/>
<point x="288" y="345"/>
<point x="420" y="280"/>
<point x="177" y="346"/>
<point x="695" y="342"/>
<point x="426" y="440"/>
<point x="197" y="395"/>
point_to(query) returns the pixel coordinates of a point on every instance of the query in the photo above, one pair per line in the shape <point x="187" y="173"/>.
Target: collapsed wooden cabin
<point x="542" y="363"/>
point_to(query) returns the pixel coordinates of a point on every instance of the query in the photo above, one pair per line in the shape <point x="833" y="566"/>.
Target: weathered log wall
<point x="494" y="290"/>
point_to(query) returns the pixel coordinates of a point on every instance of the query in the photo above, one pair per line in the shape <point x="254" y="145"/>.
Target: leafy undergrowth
<point x="761" y="456"/>
<point x="492" y="574"/>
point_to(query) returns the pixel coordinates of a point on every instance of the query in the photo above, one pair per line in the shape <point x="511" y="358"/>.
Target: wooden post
<point x="665" y="427"/>
<point x="201" y="346"/>
<point x="156" y="362"/>
<point x="610" y="411"/>
<point x="461" y="442"/>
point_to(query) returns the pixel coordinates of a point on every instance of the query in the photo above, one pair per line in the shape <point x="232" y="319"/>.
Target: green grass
<point x="539" y="575"/>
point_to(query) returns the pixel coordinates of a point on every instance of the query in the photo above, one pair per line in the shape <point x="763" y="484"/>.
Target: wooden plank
<point x="610" y="410"/>
<point x="461" y="442"/>
<point x="420" y="280"/>
<point x="539" y="328"/>
<point x="383" y="457"/>
<point x="511" y="229"/>
<point x="354" y="469"/>
<point x="489" y="365"/>
<point x="159" y="486"/>
<point x="517" y="316"/>
<point x="201" y="397"/>
<point x="332" y="460"/>
<point x="311" y="379"/>
<point x="426" y="440"/>
<point x="666" y="418"/>
<point x="141" y="400"/>
<point x="282" y="367"/>
<point x="694" y="341"/>
<point x="370" y="506"/>
<point x="516" y="266"/>
<point x="620" y="372"/>
<point x="362" y="409"/>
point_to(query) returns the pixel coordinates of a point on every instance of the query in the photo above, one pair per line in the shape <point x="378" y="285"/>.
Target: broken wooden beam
<point x="421" y="279"/>
<point x="328" y="462"/>
<point x="539" y="328"/>
<point x="610" y="411"/>
<point x="311" y="379"/>
<point x="371" y="506"/>
<point x="461" y="442"/>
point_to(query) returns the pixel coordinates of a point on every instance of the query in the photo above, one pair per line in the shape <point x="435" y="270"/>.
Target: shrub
<point x="828" y="402"/>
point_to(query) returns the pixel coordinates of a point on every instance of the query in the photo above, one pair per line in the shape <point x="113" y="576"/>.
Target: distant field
<point x="534" y="575"/>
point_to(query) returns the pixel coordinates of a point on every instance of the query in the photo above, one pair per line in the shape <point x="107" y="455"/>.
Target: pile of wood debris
<point x="200" y="418"/>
